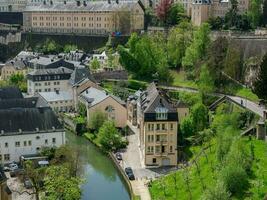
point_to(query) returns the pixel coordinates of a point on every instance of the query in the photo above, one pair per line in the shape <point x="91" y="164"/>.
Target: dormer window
<point x="161" y="113"/>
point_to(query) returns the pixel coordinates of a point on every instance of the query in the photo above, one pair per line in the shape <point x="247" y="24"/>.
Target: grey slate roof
<point x="91" y="6"/>
<point x="10" y="93"/>
<point x="43" y="60"/>
<point x="80" y="74"/>
<point x="31" y="102"/>
<point x="27" y="119"/>
<point x="94" y="96"/>
<point x="153" y="98"/>
<point x="57" y="96"/>
<point x="51" y="71"/>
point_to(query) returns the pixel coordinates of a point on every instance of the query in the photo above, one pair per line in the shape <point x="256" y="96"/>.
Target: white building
<point x="26" y="125"/>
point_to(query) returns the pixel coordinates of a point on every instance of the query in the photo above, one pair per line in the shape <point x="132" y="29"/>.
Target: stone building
<point x="157" y="119"/>
<point x="82" y="17"/>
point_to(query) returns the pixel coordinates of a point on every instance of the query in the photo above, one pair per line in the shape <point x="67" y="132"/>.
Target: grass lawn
<point x="180" y="80"/>
<point x="165" y="188"/>
<point x="92" y="138"/>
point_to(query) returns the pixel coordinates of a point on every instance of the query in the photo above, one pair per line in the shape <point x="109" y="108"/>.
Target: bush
<point x="136" y="85"/>
<point x="219" y="192"/>
<point x="235" y="178"/>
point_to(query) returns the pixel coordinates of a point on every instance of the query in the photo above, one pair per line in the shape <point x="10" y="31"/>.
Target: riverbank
<point x="93" y="140"/>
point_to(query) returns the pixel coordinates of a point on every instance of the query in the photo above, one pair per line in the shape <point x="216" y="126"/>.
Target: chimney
<point x="53" y="128"/>
<point x="37" y="130"/>
<point x="78" y="3"/>
<point x="20" y="131"/>
<point x="84" y="3"/>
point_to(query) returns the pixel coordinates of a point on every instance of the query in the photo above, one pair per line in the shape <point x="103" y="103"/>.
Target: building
<point x="59" y="101"/>
<point x="26" y="125"/>
<point x="12" y="5"/>
<point x="99" y="100"/>
<point x="13" y="67"/>
<point x="157" y="119"/>
<point x="81" y="17"/>
<point x="5" y="192"/>
<point x="47" y="80"/>
<point x="201" y="10"/>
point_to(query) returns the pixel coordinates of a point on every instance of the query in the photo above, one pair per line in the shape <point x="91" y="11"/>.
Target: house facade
<point x="98" y="100"/>
<point x="157" y="120"/>
<point x="92" y="17"/>
<point x="13" y="67"/>
<point x="27" y="125"/>
<point x="47" y="80"/>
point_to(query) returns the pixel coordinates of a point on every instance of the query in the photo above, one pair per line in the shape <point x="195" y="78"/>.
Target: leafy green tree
<point x="219" y="192"/>
<point x="234" y="177"/>
<point x="232" y="63"/>
<point x="199" y="114"/>
<point x="176" y="14"/>
<point x="36" y="175"/>
<point x="198" y="48"/>
<point x="178" y="39"/>
<point x="255" y="12"/>
<point x="19" y="81"/>
<point x="205" y="82"/>
<point x="95" y="64"/>
<point x="82" y="110"/>
<point x="231" y="17"/>
<point x="109" y="137"/>
<point x="97" y="119"/>
<point x="70" y="47"/>
<point x="50" y="46"/>
<point x="187" y="127"/>
<point x="216" y="23"/>
<point x="60" y="185"/>
<point x="260" y="85"/>
<point x="264" y="13"/>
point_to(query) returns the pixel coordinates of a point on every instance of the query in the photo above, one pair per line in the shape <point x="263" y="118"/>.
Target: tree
<point x="50" y="46"/>
<point x="219" y="192"/>
<point x="216" y="23"/>
<point x="178" y="39"/>
<point x="198" y="48"/>
<point x="205" y="82"/>
<point x="187" y="127"/>
<point x="94" y="64"/>
<point x="82" y="110"/>
<point x="260" y="85"/>
<point x="264" y="13"/>
<point x="176" y="14"/>
<point x="232" y="63"/>
<point x="36" y="175"/>
<point x="19" y="81"/>
<point x="255" y="12"/>
<point x="60" y="185"/>
<point x="70" y="47"/>
<point x="97" y="119"/>
<point x="200" y="117"/>
<point x="163" y="9"/>
<point x="109" y="137"/>
<point x="231" y="17"/>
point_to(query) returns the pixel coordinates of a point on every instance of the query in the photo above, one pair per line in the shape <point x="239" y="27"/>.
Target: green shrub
<point x="235" y="178"/>
<point x="219" y="192"/>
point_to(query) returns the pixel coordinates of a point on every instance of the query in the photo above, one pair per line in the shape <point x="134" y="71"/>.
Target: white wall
<point x="15" y="152"/>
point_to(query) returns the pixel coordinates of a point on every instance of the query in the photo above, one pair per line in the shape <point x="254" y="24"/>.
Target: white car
<point x="13" y="166"/>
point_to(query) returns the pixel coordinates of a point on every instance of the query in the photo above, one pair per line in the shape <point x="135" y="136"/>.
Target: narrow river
<point x="101" y="179"/>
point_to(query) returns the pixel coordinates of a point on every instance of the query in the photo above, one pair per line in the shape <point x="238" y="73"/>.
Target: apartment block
<point x="82" y="17"/>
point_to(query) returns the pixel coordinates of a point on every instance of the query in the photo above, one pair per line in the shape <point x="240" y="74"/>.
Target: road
<point x="250" y="105"/>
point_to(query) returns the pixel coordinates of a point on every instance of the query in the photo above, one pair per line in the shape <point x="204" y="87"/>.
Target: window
<point x="158" y="127"/>
<point x="161" y="113"/>
<point x="150" y="149"/>
<point x="25" y="143"/>
<point x="154" y="160"/>
<point x="38" y="148"/>
<point x="1" y="158"/>
<point x="6" y="144"/>
<point x="30" y="143"/>
<point x="157" y="149"/>
<point x="46" y="141"/>
<point x="17" y="144"/>
<point x="111" y="112"/>
<point x="150" y="138"/>
<point x="157" y="138"/>
<point x="163" y="126"/>
<point x="37" y="137"/>
<point x="6" y="157"/>
<point x="171" y="126"/>
<point x="170" y="149"/>
<point x="54" y="140"/>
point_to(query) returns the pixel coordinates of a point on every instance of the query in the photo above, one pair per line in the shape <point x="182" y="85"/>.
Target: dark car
<point x="27" y="183"/>
<point x="118" y="156"/>
<point x="129" y="173"/>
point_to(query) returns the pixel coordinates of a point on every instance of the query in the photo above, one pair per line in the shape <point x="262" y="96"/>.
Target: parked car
<point x="129" y="173"/>
<point x="118" y="156"/>
<point x="27" y="183"/>
<point x="10" y="167"/>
